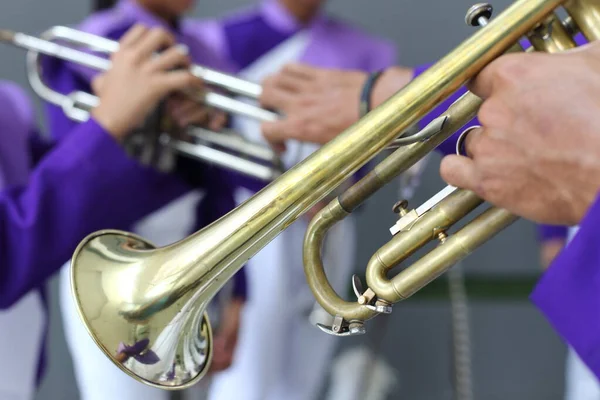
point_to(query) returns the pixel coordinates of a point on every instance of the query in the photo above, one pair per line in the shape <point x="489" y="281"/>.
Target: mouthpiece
<point x="6" y="35"/>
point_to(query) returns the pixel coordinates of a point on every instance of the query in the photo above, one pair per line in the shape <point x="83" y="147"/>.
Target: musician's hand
<point x="321" y="103"/>
<point x="187" y="112"/>
<point x="538" y="153"/>
<point x="137" y="79"/>
<point x="226" y="338"/>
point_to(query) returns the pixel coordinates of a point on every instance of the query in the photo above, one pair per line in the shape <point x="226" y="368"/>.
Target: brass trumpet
<point x="227" y="149"/>
<point x="145" y="307"/>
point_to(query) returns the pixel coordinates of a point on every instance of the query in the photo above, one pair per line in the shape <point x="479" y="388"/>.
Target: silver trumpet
<point x="224" y="149"/>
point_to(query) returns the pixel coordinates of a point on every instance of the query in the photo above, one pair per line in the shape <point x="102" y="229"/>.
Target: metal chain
<point x="461" y="334"/>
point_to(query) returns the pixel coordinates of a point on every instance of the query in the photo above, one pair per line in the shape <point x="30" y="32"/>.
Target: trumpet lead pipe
<point x="48" y="48"/>
<point x="210" y="76"/>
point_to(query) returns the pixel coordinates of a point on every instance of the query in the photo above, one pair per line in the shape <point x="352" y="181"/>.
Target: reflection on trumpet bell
<point x="136" y="308"/>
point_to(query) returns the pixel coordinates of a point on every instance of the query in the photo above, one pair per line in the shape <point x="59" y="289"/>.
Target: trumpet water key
<point x="145" y="306"/>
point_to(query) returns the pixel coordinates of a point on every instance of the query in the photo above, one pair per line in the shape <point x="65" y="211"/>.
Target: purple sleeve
<point x="551" y="232"/>
<point x="448" y="146"/>
<point x="569" y="292"/>
<point x="211" y="33"/>
<point x="65" y="200"/>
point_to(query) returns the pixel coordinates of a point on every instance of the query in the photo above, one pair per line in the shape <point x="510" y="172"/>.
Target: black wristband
<point x="365" y="96"/>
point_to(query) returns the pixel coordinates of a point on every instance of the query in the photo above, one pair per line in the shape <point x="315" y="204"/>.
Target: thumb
<point x="460" y="171"/>
<point x="274" y="133"/>
<point x="98" y="84"/>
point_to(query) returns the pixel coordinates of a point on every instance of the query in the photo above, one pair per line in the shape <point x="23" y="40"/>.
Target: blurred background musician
<point x="52" y="195"/>
<point x="290" y="359"/>
<point x="209" y="195"/>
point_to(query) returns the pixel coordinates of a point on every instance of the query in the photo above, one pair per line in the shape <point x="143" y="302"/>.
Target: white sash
<point x="289" y="51"/>
<point x="21" y="331"/>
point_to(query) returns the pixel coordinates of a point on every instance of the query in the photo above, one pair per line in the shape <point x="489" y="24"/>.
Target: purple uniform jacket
<point x="52" y="198"/>
<point x="246" y="35"/>
<point x="68" y="77"/>
<point x="569" y="292"/>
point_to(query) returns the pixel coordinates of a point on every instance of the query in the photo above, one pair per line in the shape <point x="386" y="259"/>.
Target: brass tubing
<point x="265" y="215"/>
<point x="453" y="249"/>
<point x="458" y="114"/>
<point x="315" y="273"/>
<point x="586" y="15"/>
<point x="551" y="36"/>
<point x="449" y="211"/>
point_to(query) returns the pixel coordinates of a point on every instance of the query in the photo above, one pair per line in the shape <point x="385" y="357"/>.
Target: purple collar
<point x="276" y="15"/>
<point x="143" y="16"/>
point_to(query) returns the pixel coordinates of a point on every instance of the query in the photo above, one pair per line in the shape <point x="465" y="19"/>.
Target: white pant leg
<point x="260" y="351"/>
<point x="310" y="351"/>
<point x="97" y="377"/>
<point x="21" y="339"/>
<point x="581" y="383"/>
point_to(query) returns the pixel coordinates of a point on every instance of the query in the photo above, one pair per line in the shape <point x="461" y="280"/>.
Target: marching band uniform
<point x="580" y="381"/>
<point x="288" y="357"/>
<point x="568" y="292"/>
<point x="44" y="212"/>
<point x="194" y="209"/>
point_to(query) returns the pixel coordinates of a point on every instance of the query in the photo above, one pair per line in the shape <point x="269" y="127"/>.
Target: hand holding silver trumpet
<point x="138" y="300"/>
<point x="225" y="149"/>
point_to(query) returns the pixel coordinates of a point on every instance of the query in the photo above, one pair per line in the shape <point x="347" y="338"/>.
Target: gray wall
<point x="516" y="354"/>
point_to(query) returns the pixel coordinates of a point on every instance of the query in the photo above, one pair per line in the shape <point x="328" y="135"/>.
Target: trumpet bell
<point x="133" y="314"/>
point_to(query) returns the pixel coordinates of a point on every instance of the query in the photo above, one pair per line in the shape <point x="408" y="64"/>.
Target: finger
<point x="183" y="107"/>
<point x="291" y="83"/>
<point x="177" y="80"/>
<point x="277" y="98"/>
<point x="471" y="140"/>
<point x="278" y="131"/>
<point x="483" y="84"/>
<point x="459" y="171"/>
<point x="174" y="57"/>
<point x="218" y="120"/>
<point x="301" y="71"/>
<point x="153" y="41"/>
<point x="98" y="83"/>
<point x="132" y="36"/>
<point x="197" y="116"/>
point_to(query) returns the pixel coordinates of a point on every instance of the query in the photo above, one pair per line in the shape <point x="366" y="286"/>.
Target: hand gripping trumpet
<point x="145" y="306"/>
<point x="224" y="149"/>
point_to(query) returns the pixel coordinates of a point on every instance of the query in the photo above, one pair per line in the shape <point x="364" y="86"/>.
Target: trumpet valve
<point x="479" y="14"/>
<point x="400" y="208"/>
